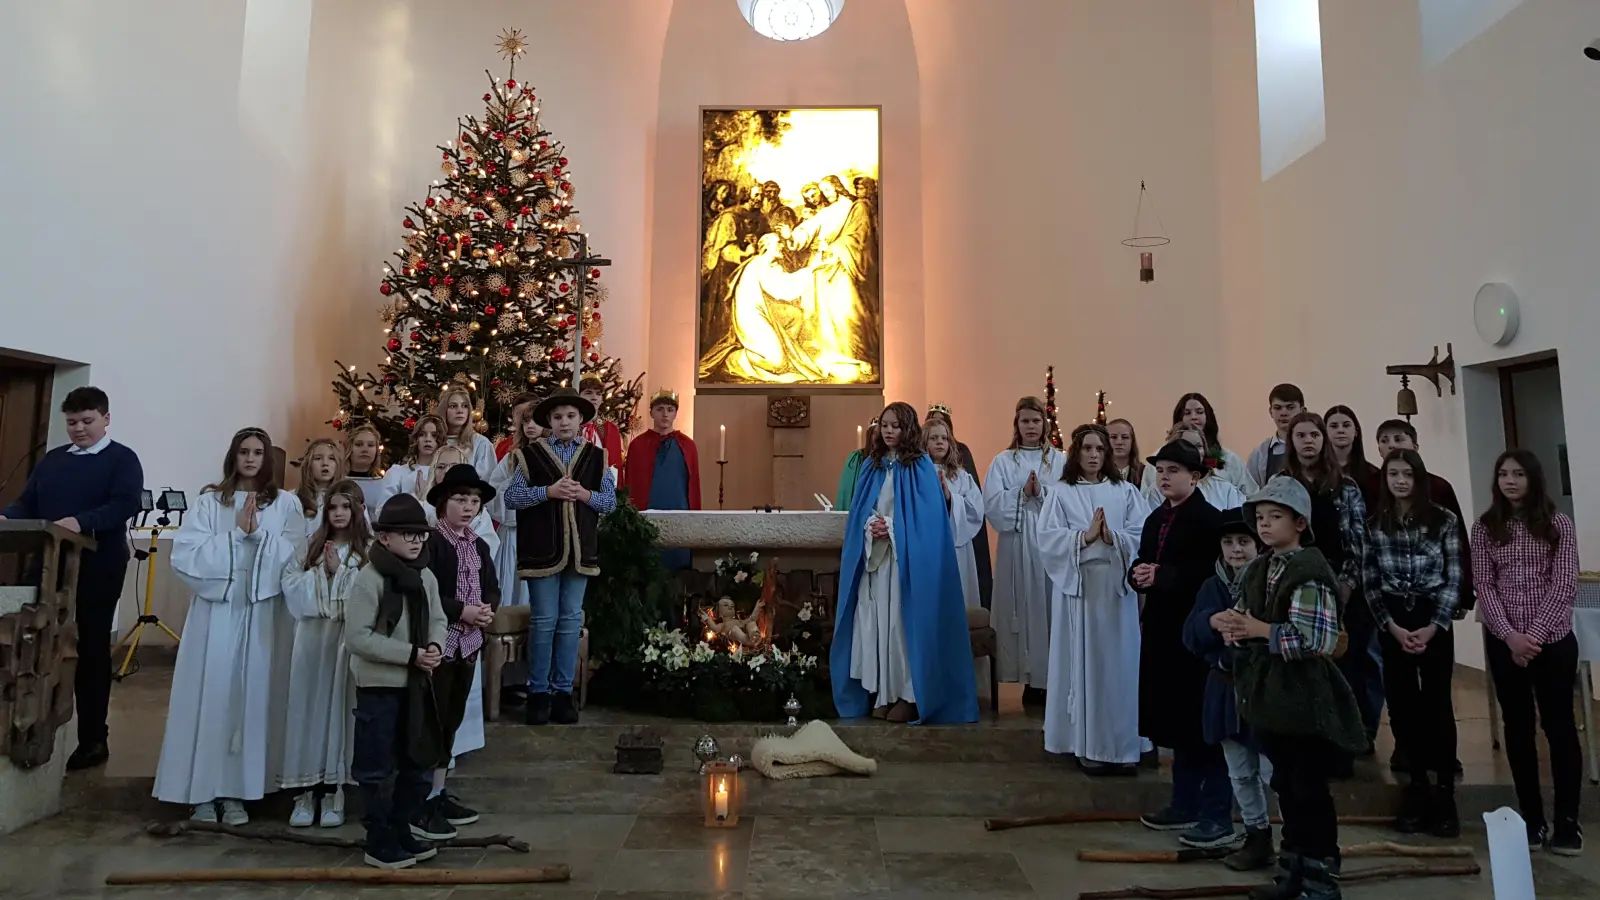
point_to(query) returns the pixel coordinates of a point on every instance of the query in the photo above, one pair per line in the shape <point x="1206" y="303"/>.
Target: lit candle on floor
<point x="861" y="441"/>
<point x="722" y="798"/>
<point x="723" y="451"/>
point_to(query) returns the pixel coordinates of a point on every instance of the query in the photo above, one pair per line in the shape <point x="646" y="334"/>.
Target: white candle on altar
<point x="722" y="453"/>
<point x="861" y="441"/>
<point x="722" y="798"/>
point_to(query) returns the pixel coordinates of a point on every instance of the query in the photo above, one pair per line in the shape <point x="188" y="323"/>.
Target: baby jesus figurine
<point x="727" y="623"/>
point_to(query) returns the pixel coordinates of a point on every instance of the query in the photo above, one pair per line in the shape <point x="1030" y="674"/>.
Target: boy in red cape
<point x="663" y="468"/>
<point x="597" y="430"/>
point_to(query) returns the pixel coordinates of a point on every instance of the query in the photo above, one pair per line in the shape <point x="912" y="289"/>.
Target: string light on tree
<point x="1100" y="404"/>
<point x="481" y="251"/>
<point x="1052" y="424"/>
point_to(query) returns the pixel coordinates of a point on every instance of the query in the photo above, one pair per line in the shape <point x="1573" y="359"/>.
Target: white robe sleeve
<point x="498" y="479"/>
<point x="1004" y="503"/>
<point x="303" y="588"/>
<point x="1060" y="544"/>
<point x="482" y="456"/>
<point x="966" y="509"/>
<point x="1233" y="469"/>
<point x="281" y="528"/>
<point x="206" y="547"/>
<point x="1126" y="534"/>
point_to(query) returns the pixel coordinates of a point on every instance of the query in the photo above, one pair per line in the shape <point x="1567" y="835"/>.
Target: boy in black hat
<point x="469" y="592"/>
<point x="1177" y="553"/>
<point x="1286" y="631"/>
<point x="395" y="629"/>
<point x="559" y="489"/>
<point x="1248" y="769"/>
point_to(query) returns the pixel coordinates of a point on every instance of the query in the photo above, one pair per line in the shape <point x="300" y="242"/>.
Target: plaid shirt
<point x="518" y="494"/>
<point x="463" y="640"/>
<point x="1525" y="586"/>
<point x="1313" y="626"/>
<point x="1352" y="530"/>
<point x="1414" y="564"/>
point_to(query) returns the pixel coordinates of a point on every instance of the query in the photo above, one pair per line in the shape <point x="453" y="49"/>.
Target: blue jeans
<point x="554" y="624"/>
<point x="392" y="786"/>
<point x="1200" y="784"/>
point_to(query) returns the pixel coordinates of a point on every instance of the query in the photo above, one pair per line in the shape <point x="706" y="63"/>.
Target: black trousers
<point x="1421" y="707"/>
<point x="1300" y="769"/>
<point x="99" y="589"/>
<point x="452" y="684"/>
<point x="393" y="787"/>
<point x="1547" y="681"/>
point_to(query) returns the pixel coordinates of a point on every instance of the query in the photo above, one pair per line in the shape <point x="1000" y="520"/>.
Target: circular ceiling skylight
<point x="790" y="20"/>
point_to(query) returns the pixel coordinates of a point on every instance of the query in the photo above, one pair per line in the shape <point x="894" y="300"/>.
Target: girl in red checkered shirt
<point x="1525" y="564"/>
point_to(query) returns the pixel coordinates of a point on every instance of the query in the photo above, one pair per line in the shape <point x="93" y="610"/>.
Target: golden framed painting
<point x="790" y="285"/>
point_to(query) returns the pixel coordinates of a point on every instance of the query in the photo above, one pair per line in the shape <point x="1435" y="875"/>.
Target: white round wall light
<point x="1496" y="313"/>
<point x="790" y="20"/>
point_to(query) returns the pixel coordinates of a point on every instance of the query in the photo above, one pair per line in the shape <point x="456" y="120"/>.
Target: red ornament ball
<point x="410" y="422"/>
<point x="566" y="186"/>
<point x="594" y="273"/>
<point x="556" y="171"/>
<point x="502" y="190"/>
<point x="449" y="279"/>
<point x="408" y="223"/>
<point x="490" y="168"/>
<point x="393" y="345"/>
<point x="498" y="247"/>
<point x="428" y="203"/>
<point x="479" y="216"/>
<point x="572" y="321"/>
<point x="594" y="357"/>
<point x="564" y="287"/>
<point x="526" y="210"/>
<point x="544" y="145"/>
<point x="505" y="290"/>
<point x="488" y="310"/>
<point x="511" y="83"/>
<point x="421" y="266"/>
<point x="494" y="382"/>
<point x="385" y="289"/>
<point x="486" y="97"/>
<point x="562" y="160"/>
<point x="416" y="335"/>
<point x="433" y="280"/>
<point x="444" y="155"/>
<point x="444" y="239"/>
<point x="595" y="316"/>
<point x="337" y="424"/>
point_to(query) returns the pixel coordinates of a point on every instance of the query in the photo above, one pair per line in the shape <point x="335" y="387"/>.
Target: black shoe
<point x="420" y="850"/>
<point x="430" y="824"/>
<point x="88" y="756"/>
<point x="1255" y="853"/>
<point x="1443" y="819"/>
<point x="1321" y="880"/>
<point x="538" y="711"/>
<point x="383" y="851"/>
<point x="1287" y="882"/>
<point x="1538" y="836"/>
<point x="455" y="812"/>
<point x="1414" y="809"/>
<point x="562" y="710"/>
<point x="1032" y="696"/>
<point x="1567" y="839"/>
<point x="513" y="695"/>
<point x="1168" y="819"/>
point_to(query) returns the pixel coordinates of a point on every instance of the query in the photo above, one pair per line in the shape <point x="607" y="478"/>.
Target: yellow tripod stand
<point x="147" y="615"/>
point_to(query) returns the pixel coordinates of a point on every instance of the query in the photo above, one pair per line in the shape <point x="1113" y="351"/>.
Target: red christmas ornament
<point x="502" y="190"/>
<point x="594" y="274"/>
<point x="444" y="239"/>
<point x="337" y="424"/>
<point x="556" y="171"/>
<point x="488" y="310"/>
<point x="527" y="210"/>
<point x="416" y="335"/>
<point x="558" y="354"/>
<point x="406" y="271"/>
<point x="385" y="289"/>
<point x="489" y="168"/>
<point x="595" y="316"/>
<point x="564" y="287"/>
<point x="594" y="357"/>
<point x="433" y="280"/>
<point x="511" y="83"/>
<point x="467" y="238"/>
<point x="449" y="279"/>
<point x="562" y="160"/>
<point x="409" y="423"/>
<point x="499" y="247"/>
<point x="497" y="135"/>
<point x="391" y="378"/>
<point x="494" y="382"/>
<point x="544" y="145"/>
<point x="428" y="203"/>
<point x="505" y="291"/>
<point x="421" y="266"/>
<point x="572" y="321"/>
<point x="393" y="345"/>
<point x="479" y="216"/>
<point x="445" y="155"/>
<point x="408" y="223"/>
<point x="486" y="97"/>
<point x="585" y="343"/>
<point x="566" y="186"/>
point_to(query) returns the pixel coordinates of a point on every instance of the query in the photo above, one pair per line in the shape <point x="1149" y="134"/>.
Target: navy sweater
<point x="100" y="490"/>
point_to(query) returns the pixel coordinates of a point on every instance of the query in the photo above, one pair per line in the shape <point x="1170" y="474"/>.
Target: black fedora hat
<point x="1181" y="452"/>
<point x="402" y="513"/>
<point x="460" y="477"/>
<point x="562" y="397"/>
<point x="1232" y="522"/>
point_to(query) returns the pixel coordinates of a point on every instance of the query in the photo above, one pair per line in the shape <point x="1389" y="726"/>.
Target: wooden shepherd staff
<point x="535" y="875"/>
<point x="187" y="826"/>
<point x="1381" y="873"/>
<point x="1357" y="851"/>
<point x="1089" y="818"/>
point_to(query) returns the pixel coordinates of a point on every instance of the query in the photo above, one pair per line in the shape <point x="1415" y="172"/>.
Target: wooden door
<point x="24" y="422"/>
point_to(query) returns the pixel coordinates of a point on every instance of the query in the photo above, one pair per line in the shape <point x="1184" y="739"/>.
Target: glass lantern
<point x="721" y="794"/>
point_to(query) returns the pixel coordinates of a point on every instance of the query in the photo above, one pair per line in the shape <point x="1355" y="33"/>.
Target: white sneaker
<point x="305" y="811"/>
<point x="333" y="809"/>
<point x="204" y="812"/>
<point x="233" y="813"/>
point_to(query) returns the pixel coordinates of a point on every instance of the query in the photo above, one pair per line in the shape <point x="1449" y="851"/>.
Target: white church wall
<point x="1431" y="182"/>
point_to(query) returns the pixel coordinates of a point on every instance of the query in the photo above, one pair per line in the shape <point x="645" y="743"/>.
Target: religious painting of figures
<point x="790" y="288"/>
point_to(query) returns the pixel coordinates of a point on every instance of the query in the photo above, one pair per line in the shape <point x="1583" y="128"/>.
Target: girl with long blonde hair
<point x="961" y="496"/>
<point x="411" y="476"/>
<point x="321" y="467"/>
<point x="455" y="410"/>
<point x="321" y="699"/>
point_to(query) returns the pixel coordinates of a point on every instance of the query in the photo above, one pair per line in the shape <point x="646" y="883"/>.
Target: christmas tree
<point x="1100" y="407"/>
<point x="492" y="289"/>
<point x="1052" y="425"/>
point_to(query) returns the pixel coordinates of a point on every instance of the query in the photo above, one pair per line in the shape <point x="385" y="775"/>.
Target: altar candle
<point x="722" y="453"/>
<point x="861" y="442"/>
<point x="722" y="798"/>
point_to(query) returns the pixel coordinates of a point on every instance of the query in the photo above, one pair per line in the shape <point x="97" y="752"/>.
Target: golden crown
<point x="939" y="408"/>
<point x="662" y="395"/>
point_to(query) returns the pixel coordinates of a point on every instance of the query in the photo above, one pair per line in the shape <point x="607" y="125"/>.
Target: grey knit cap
<point x="1286" y="491"/>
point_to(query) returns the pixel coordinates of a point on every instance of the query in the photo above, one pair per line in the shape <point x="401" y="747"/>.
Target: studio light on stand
<point x="169" y="502"/>
<point x="1405" y="403"/>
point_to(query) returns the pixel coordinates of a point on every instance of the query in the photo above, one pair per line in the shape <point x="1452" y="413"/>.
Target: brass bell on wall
<point x="1405" y="403"/>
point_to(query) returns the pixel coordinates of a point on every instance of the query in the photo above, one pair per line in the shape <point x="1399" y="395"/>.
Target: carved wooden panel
<point x="789" y="411"/>
<point x="39" y="660"/>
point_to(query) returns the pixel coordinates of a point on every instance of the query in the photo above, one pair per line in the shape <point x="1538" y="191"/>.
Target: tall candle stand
<point x="722" y="470"/>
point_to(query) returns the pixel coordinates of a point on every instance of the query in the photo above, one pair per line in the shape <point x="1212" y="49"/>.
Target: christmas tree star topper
<point x="512" y="43"/>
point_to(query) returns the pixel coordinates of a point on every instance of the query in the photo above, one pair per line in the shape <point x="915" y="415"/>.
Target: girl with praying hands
<point x="224" y="738"/>
<point x="411" y="476"/>
<point x="901" y="623"/>
<point x="1014" y="492"/>
<point x="321" y="729"/>
<point x="320" y="467"/>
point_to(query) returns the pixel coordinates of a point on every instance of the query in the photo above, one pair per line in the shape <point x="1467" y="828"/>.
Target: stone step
<point x="504" y="784"/>
<point x="597" y="741"/>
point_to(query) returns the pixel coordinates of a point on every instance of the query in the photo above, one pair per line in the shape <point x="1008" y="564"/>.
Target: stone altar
<point x="809" y="539"/>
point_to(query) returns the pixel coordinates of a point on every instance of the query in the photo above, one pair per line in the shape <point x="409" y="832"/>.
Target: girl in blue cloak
<point x="900" y="645"/>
